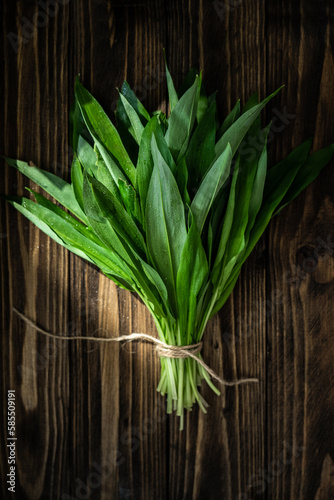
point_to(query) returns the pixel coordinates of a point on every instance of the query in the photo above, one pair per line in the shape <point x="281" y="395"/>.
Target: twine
<point x="161" y="348"/>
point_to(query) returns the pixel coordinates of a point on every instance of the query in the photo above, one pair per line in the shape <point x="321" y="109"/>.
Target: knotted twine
<point x="161" y="348"/>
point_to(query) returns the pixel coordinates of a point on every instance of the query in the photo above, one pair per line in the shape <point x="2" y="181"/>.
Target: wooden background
<point x="90" y="423"/>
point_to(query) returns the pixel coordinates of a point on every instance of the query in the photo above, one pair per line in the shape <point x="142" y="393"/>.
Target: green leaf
<point x="190" y="278"/>
<point x="203" y="102"/>
<point x="238" y="130"/>
<point x="230" y="119"/>
<point x="87" y="156"/>
<point x="102" y="130"/>
<point x="244" y="190"/>
<point x="86" y="231"/>
<point x="226" y="293"/>
<point x="77" y="125"/>
<point x="210" y="186"/>
<point x="228" y="220"/>
<point x="107" y="174"/>
<point x="52" y="184"/>
<point x="274" y="191"/>
<point x="201" y="151"/>
<point x="145" y="162"/>
<point x="109" y="162"/>
<point x="181" y="121"/>
<point x="77" y="181"/>
<point x="101" y="224"/>
<point x="217" y="212"/>
<point x="123" y="128"/>
<point x="65" y="234"/>
<point x="252" y="101"/>
<point x="280" y="176"/>
<point x="187" y="81"/>
<point x="307" y="173"/>
<point x="130" y="200"/>
<point x="163" y="148"/>
<point x="181" y="177"/>
<point x="136" y="125"/>
<point x="258" y="186"/>
<point x="165" y="222"/>
<point x="136" y="104"/>
<point x="112" y="210"/>
<point x="172" y="94"/>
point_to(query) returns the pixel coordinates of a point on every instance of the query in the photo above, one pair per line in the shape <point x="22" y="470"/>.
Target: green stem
<point x="180" y="378"/>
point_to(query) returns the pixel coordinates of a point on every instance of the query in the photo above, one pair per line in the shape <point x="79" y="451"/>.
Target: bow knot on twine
<point x="161" y="348"/>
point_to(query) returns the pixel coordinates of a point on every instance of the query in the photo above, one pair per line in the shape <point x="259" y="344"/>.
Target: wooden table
<point x="89" y="422"/>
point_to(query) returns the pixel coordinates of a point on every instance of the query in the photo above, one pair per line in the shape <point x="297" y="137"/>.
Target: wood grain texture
<point x="90" y="423"/>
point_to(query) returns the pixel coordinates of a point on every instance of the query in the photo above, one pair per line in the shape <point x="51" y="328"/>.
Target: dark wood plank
<point x="300" y="340"/>
<point x="34" y="271"/>
<point x="89" y="420"/>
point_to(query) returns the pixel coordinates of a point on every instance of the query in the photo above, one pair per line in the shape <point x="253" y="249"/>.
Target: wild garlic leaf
<point x="275" y="192"/>
<point x="82" y="228"/>
<point x="110" y="163"/>
<point x="229" y="120"/>
<point x="181" y="121"/>
<point x="116" y="214"/>
<point x="76" y="181"/>
<point x="145" y="163"/>
<point x="123" y="122"/>
<point x="238" y="130"/>
<point x="251" y="102"/>
<point x="102" y="130"/>
<point x="165" y="223"/>
<point x="187" y="82"/>
<point x="102" y="225"/>
<point x="181" y="177"/>
<point x="306" y="174"/>
<point x="201" y="150"/>
<point x="136" y="104"/>
<point x="210" y="186"/>
<point x="77" y="125"/>
<point x="130" y="200"/>
<point x="136" y="125"/>
<point x="280" y="176"/>
<point x="228" y="220"/>
<point x="192" y="272"/>
<point x="143" y="277"/>
<point x="172" y="94"/>
<point x="123" y="128"/>
<point x="61" y="190"/>
<point x="256" y="198"/>
<point x="203" y="102"/>
<point x="65" y="234"/>
<point x="87" y="156"/>
<point x="106" y="174"/>
<point x="244" y="191"/>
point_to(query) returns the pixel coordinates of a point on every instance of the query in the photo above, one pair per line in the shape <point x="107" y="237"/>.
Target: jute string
<point x="161" y="348"/>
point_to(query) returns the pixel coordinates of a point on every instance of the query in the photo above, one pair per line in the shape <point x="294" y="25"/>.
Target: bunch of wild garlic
<point x="169" y="207"/>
